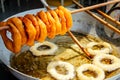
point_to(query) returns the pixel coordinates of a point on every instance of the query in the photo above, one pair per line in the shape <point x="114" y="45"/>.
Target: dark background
<point x="11" y="7"/>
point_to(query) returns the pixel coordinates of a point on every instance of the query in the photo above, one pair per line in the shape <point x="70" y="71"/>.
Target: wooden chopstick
<point x="99" y="19"/>
<point x="108" y="17"/>
<point x="94" y="6"/>
<point x="4" y="27"/>
<point x="78" y="43"/>
<point x="70" y="33"/>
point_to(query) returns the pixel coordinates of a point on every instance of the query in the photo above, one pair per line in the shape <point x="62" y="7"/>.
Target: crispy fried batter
<point x="13" y="44"/>
<point x="68" y="17"/>
<point x="30" y="28"/>
<point x="35" y="23"/>
<point x="18" y="24"/>
<point x="42" y="15"/>
<point x="57" y="21"/>
<point x="52" y="28"/>
<point x="62" y="20"/>
<point x="30" y="31"/>
<point x="43" y="30"/>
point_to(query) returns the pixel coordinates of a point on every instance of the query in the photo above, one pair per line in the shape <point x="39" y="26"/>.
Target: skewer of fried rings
<point x="101" y="20"/>
<point x="32" y="23"/>
<point x="69" y="32"/>
<point x="80" y="10"/>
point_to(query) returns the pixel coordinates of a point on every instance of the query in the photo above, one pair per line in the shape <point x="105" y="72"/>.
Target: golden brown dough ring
<point x="19" y="25"/>
<point x="35" y="23"/>
<point x="42" y="15"/>
<point x="30" y="31"/>
<point x="52" y="28"/>
<point x="8" y="43"/>
<point x="16" y="36"/>
<point x="43" y="30"/>
<point x="57" y="21"/>
<point x="13" y="45"/>
<point x="62" y="20"/>
<point x="68" y="17"/>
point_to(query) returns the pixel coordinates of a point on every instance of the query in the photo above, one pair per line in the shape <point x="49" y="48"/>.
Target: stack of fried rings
<point x="25" y="30"/>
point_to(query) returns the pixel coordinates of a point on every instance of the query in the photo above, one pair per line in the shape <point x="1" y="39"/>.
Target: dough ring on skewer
<point x="43" y="30"/>
<point x="33" y="19"/>
<point x="19" y="25"/>
<point x="52" y="66"/>
<point x="30" y="31"/>
<point x="8" y="43"/>
<point x="114" y="62"/>
<point x="90" y="67"/>
<point x="62" y="21"/>
<point x="57" y="21"/>
<point x="104" y="48"/>
<point x="68" y="17"/>
<point x="42" y="15"/>
<point x="52" y="26"/>
<point x="46" y="48"/>
<point x="13" y="45"/>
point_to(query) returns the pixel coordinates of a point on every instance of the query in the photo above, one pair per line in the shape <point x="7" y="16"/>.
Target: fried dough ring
<point x="28" y="27"/>
<point x="13" y="45"/>
<point x="68" y="17"/>
<point x="42" y="15"/>
<point x="105" y="50"/>
<point x="30" y="31"/>
<point x="51" y="69"/>
<point x="52" y="28"/>
<point x="16" y="36"/>
<point x="19" y="25"/>
<point x="52" y="48"/>
<point x="6" y="41"/>
<point x="43" y="30"/>
<point x="62" y="21"/>
<point x="57" y="21"/>
<point x="100" y="73"/>
<point x="115" y="62"/>
<point x="35" y="23"/>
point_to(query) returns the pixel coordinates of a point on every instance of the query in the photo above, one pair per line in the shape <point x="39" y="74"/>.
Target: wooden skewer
<point x="94" y="6"/>
<point x="99" y="19"/>
<point x="4" y="27"/>
<point x="78" y="43"/>
<point x="108" y="17"/>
